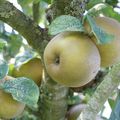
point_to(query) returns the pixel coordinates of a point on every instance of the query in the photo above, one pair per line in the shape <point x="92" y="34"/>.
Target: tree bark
<point x="53" y="102"/>
<point x="58" y="7"/>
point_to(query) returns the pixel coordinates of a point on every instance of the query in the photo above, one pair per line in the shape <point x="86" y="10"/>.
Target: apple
<point x="71" y="59"/>
<point x="32" y="69"/>
<point x="9" y="108"/>
<point x="109" y="52"/>
<point x="75" y="111"/>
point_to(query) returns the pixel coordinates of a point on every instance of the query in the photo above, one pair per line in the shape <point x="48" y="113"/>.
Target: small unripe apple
<point x="32" y="69"/>
<point x="71" y="59"/>
<point x="9" y="108"/>
<point x="109" y="52"/>
<point x="75" y="111"/>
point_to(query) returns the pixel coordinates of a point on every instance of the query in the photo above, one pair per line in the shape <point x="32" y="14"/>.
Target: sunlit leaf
<point x="26" y="6"/>
<point x="104" y="9"/>
<point x="112" y="102"/>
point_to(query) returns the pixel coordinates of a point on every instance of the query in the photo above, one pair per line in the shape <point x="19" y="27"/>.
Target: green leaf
<point x="3" y="68"/>
<point x="91" y="3"/>
<point x="26" y="6"/>
<point x="48" y="1"/>
<point x="104" y="9"/>
<point x="112" y="103"/>
<point x="15" y="43"/>
<point x="72" y="100"/>
<point x="3" y="43"/>
<point x="100" y="34"/>
<point x="65" y="23"/>
<point x="23" y="90"/>
<point x="11" y="67"/>
<point x="112" y="2"/>
<point x="24" y="57"/>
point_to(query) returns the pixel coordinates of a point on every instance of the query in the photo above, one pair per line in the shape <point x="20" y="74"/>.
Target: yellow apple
<point x="32" y="69"/>
<point x="109" y="52"/>
<point x="71" y="59"/>
<point x="9" y="108"/>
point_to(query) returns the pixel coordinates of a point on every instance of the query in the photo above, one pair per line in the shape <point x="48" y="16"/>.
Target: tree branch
<point x="58" y="7"/>
<point x="53" y="102"/>
<point x="74" y="8"/>
<point x="36" y="11"/>
<point x="104" y="90"/>
<point x="23" y="24"/>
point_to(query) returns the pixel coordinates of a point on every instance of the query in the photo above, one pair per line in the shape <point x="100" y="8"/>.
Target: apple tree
<point x="59" y="59"/>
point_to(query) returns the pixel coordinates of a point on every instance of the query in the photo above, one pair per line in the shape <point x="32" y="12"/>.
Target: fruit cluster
<point x="73" y="58"/>
<point x="12" y="108"/>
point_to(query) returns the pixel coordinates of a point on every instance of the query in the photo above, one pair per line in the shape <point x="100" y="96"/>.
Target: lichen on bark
<point x="102" y="93"/>
<point x="53" y="102"/>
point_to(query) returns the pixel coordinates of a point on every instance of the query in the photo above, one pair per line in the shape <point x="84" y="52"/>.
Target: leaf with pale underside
<point x="102" y="36"/>
<point x="23" y="90"/>
<point x="3" y="69"/>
